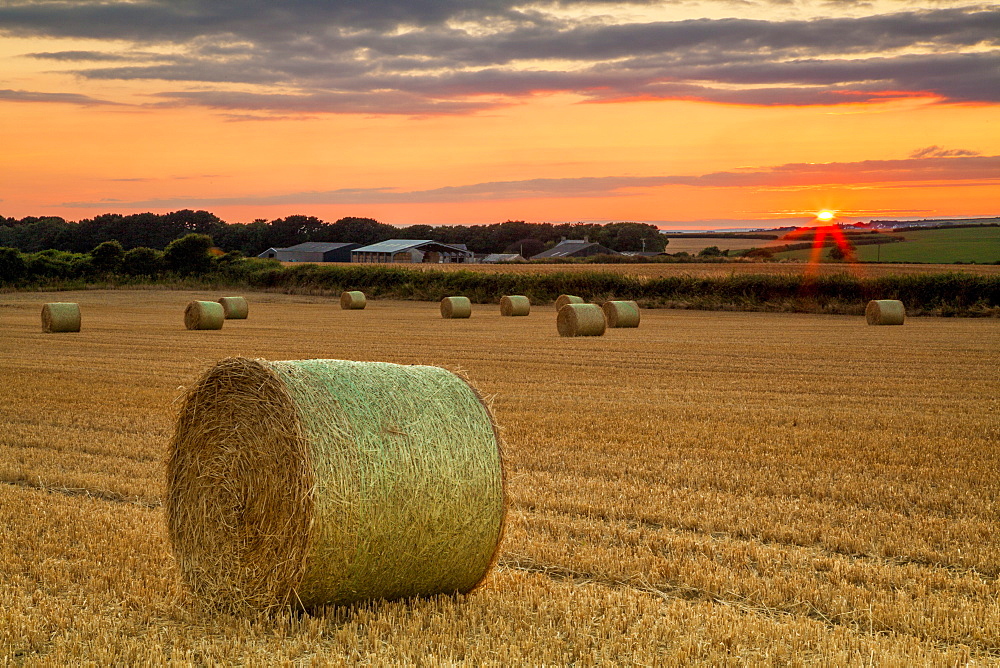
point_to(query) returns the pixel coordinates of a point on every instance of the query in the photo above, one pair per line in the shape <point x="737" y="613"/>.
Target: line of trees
<point x="32" y="234"/>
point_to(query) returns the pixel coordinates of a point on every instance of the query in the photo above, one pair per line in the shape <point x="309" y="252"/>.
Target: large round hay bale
<point x="580" y="320"/>
<point x="621" y="313"/>
<point x="511" y="305"/>
<point x="60" y="317"/>
<point x="562" y="300"/>
<point x="235" y="308"/>
<point x="456" y="307"/>
<point x="352" y="300"/>
<point x="204" y="315"/>
<point x="316" y="482"/>
<point x="885" y="312"/>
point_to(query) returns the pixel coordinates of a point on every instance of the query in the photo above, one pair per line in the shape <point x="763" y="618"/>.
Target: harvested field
<point x="718" y="487"/>
<point x="702" y="270"/>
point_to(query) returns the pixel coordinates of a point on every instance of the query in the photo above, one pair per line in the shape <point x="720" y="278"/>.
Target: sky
<point x="688" y="114"/>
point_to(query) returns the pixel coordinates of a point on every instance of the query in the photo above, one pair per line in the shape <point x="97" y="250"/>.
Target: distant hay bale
<point x="511" y="305"/>
<point x="235" y="308"/>
<point x="313" y="482"/>
<point x="580" y="320"/>
<point x="204" y="315"/>
<point x="562" y="300"/>
<point x="885" y="312"/>
<point x="60" y="317"/>
<point x="456" y="307"/>
<point x="353" y="300"/>
<point x="621" y="313"/>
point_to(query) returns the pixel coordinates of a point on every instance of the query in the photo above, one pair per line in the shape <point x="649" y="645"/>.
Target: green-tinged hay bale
<point x="456" y="307"/>
<point x="60" y="317"/>
<point x="235" y="308"/>
<point x="621" y="313"/>
<point x="885" y="312"/>
<point x="316" y="482"/>
<point x="353" y="299"/>
<point x="511" y="305"/>
<point x="562" y="300"/>
<point x="580" y="320"/>
<point x="204" y="315"/>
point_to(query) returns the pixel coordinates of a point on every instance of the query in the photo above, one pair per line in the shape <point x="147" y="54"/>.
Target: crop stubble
<point x="720" y="487"/>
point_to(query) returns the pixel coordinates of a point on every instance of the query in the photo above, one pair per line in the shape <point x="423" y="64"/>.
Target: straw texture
<point x="562" y="300"/>
<point x="456" y="307"/>
<point x="580" y="320"/>
<point x="326" y="481"/>
<point x="352" y="300"/>
<point x="621" y="314"/>
<point x="60" y="317"/>
<point x="204" y="315"/>
<point x="885" y="312"/>
<point x="511" y="305"/>
<point x="235" y="308"/>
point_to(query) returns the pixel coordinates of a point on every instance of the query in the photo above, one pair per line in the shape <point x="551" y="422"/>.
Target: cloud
<point x="914" y="170"/>
<point x="938" y="152"/>
<point x="36" y="96"/>
<point x="451" y="56"/>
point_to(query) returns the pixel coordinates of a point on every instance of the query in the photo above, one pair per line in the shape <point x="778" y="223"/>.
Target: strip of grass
<point x="980" y="244"/>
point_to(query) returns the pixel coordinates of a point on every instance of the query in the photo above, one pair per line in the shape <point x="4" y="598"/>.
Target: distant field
<point x="695" y="245"/>
<point x="711" y="488"/>
<point x="700" y="269"/>
<point x="965" y="244"/>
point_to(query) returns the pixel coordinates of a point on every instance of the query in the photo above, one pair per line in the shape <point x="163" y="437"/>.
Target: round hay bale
<point x="580" y="320"/>
<point x="885" y="312"/>
<point x="621" y="314"/>
<point x="456" y="307"/>
<point x="562" y="300"/>
<point x="235" y="308"/>
<point x="204" y="315"/>
<point x="315" y="482"/>
<point x="60" y="317"/>
<point x="511" y="305"/>
<point x="353" y="300"/>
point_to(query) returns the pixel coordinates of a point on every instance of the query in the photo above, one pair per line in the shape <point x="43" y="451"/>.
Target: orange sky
<point x="537" y="141"/>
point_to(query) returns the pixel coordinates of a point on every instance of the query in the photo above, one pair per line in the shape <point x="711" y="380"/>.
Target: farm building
<point x="412" y="251"/>
<point x="312" y="251"/>
<point x="494" y="258"/>
<point x="575" y="248"/>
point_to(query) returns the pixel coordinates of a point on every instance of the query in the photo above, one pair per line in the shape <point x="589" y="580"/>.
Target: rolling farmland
<point x="715" y="487"/>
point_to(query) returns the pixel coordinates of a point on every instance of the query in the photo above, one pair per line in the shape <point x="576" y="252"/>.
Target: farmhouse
<point x="494" y="258"/>
<point x="575" y="248"/>
<point x="412" y="251"/>
<point x="312" y="251"/>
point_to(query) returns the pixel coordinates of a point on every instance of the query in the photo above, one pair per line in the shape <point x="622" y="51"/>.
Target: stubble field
<point x="725" y="488"/>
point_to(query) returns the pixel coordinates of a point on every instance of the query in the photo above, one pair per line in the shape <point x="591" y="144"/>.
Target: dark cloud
<point x="421" y="57"/>
<point x="35" y="96"/>
<point x="939" y="152"/>
<point x="917" y="170"/>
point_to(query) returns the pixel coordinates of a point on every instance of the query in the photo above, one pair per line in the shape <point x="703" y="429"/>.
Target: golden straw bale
<point x="511" y="305"/>
<point x="235" y="308"/>
<point x="885" y="312"/>
<point x="60" y="317"/>
<point x="580" y="320"/>
<point x="456" y="307"/>
<point x="313" y="482"/>
<point x="204" y="315"/>
<point x="621" y="313"/>
<point x="562" y="300"/>
<point x="353" y="300"/>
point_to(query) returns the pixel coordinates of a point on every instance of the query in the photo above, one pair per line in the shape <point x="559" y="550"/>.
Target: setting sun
<point x="825" y="216"/>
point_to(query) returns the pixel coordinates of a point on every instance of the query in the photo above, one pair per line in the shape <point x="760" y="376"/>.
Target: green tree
<point x="142" y="261"/>
<point x="12" y="266"/>
<point x="108" y="257"/>
<point x="189" y="254"/>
